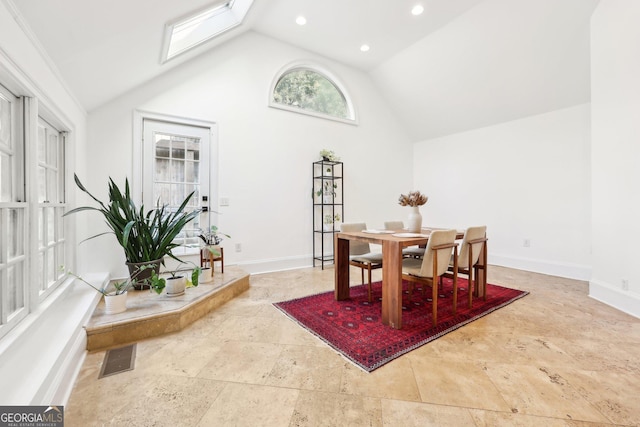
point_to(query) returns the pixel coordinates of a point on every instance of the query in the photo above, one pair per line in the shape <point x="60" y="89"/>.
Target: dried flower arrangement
<point x="414" y="198"/>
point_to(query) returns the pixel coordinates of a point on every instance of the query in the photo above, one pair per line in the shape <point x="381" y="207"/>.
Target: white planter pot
<point x="115" y="304"/>
<point x="176" y="286"/>
<point x="206" y="275"/>
<point x="327" y="227"/>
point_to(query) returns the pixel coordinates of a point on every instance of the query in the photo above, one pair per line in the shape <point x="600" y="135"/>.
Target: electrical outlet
<point x="625" y="285"/>
<point x="238" y="247"/>
<point x="224" y="201"/>
<point x="526" y="243"/>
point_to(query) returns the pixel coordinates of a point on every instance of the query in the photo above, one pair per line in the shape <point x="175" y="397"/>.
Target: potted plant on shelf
<point x="114" y="293"/>
<point x="211" y="240"/>
<point x="146" y="237"/>
<point x="328" y="192"/>
<point x="329" y="155"/>
<point x="329" y="221"/>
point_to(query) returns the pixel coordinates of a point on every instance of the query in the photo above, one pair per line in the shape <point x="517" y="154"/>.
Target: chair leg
<point x="434" y="301"/>
<point x="484" y="283"/>
<point x="369" y="269"/>
<point x="455" y="294"/>
<point x="472" y="286"/>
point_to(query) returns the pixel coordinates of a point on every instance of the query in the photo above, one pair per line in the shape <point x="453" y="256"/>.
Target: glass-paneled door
<point x="176" y="162"/>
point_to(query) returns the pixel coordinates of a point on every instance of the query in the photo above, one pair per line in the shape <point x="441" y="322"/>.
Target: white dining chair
<point x="428" y="270"/>
<point x="360" y="254"/>
<point x="474" y="244"/>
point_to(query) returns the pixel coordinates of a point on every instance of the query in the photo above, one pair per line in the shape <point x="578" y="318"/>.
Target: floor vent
<point x="118" y="360"/>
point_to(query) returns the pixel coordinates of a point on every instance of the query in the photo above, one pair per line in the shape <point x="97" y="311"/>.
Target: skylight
<point x="191" y="31"/>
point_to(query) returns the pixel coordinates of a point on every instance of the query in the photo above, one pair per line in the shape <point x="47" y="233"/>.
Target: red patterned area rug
<point x="354" y="327"/>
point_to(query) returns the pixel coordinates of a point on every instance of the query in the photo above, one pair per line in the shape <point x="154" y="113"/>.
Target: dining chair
<point x="429" y="270"/>
<point x="360" y="254"/>
<point x="411" y="251"/>
<point x="474" y="244"/>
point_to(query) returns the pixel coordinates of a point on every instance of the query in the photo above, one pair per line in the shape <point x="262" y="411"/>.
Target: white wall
<point x="615" y="89"/>
<point x="265" y="153"/>
<point x="499" y="61"/>
<point x="524" y="179"/>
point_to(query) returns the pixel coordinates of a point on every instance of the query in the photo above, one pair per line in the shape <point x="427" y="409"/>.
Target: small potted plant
<point x="176" y="284"/>
<point x="329" y="221"/>
<point x="329" y="155"/>
<point x="328" y="192"/>
<point x="114" y="293"/>
<point x="212" y="239"/>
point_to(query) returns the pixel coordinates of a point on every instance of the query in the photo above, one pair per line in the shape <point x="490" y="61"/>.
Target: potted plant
<point x="329" y="221"/>
<point x="146" y="237"/>
<point x="211" y="240"/>
<point x="114" y="293"/>
<point x="329" y="155"/>
<point x="328" y="191"/>
<point x="177" y="283"/>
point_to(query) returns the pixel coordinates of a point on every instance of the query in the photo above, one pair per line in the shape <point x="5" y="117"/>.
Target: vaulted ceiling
<point x="460" y="65"/>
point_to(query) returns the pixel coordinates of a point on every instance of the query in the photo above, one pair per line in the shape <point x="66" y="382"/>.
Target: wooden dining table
<point x="392" y="244"/>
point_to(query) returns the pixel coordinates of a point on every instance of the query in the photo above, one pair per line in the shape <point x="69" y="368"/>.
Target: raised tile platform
<point x="150" y="315"/>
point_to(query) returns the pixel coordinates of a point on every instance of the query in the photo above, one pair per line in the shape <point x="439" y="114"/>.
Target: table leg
<point x="392" y="284"/>
<point x="481" y="274"/>
<point x="341" y="256"/>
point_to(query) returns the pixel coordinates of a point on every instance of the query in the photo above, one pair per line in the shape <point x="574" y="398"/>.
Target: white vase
<point x="327" y="227"/>
<point x="115" y="304"/>
<point x="414" y="223"/>
<point x="176" y="286"/>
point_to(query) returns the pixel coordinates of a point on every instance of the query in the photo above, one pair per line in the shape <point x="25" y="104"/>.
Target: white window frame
<point x="324" y="72"/>
<point x="9" y="320"/>
<point x="58" y="207"/>
<point x="29" y="109"/>
<point x="190" y="31"/>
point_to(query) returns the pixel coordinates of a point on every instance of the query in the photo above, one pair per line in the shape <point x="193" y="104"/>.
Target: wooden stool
<point x="207" y="258"/>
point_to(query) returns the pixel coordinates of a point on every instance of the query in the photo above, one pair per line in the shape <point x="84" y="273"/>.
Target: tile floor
<point x="553" y="358"/>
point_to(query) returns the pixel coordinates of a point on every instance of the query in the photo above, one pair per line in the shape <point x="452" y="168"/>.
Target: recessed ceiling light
<point x="417" y="10"/>
<point x="365" y="48"/>
<point x="301" y="20"/>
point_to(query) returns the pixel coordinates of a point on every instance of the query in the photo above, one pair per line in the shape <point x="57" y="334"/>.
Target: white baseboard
<point x="625" y="301"/>
<point x="552" y="268"/>
<point x="276" y="264"/>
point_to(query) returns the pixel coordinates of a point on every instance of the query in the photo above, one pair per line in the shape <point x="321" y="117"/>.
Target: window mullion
<point x="31" y="197"/>
<point x="4" y="249"/>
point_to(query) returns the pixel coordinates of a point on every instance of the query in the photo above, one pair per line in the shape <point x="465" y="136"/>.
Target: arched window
<point x="306" y="90"/>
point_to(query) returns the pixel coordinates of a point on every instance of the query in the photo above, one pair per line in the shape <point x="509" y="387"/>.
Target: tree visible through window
<point x="311" y="91"/>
